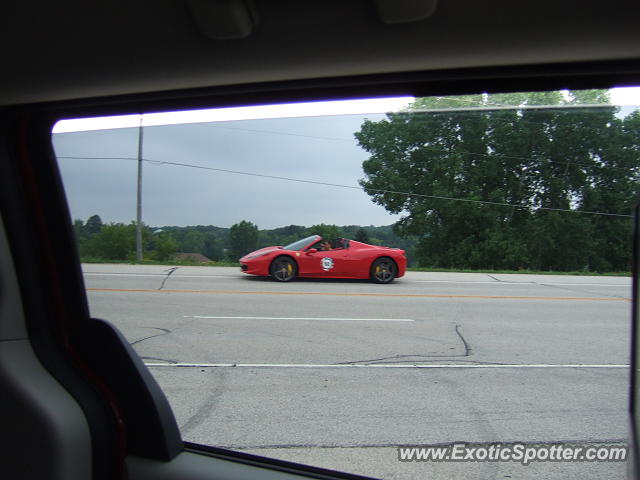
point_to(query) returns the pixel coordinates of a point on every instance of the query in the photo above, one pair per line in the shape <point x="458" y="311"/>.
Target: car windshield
<point x="300" y="244"/>
<point x="511" y="211"/>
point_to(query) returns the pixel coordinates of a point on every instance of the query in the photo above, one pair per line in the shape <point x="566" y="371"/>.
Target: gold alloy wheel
<point x="283" y="269"/>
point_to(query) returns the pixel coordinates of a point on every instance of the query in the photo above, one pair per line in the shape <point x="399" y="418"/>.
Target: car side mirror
<point x="312" y="250"/>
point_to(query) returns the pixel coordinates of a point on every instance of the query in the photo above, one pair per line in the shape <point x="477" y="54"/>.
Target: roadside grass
<point x="181" y="263"/>
<point x="187" y="263"/>
<point x="524" y="271"/>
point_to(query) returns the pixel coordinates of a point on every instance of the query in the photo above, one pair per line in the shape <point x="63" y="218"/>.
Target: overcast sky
<point x="315" y="148"/>
<point x="319" y="148"/>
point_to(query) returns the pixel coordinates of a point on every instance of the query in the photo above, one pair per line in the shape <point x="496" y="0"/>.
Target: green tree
<point x="114" y="242"/>
<point x="533" y="160"/>
<point x="328" y="232"/>
<point x="93" y="225"/>
<point x="212" y="248"/>
<point x="243" y="238"/>
<point x="361" y="236"/>
<point x="78" y="229"/>
<point x="81" y="236"/>
<point x="193" y="242"/>
<point x="165" y="247"/>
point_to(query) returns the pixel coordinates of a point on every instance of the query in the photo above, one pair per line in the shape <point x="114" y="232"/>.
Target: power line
<point x="253" y="130"/>
<point x="329" y="184"/>
<point x="422" y="195"/>
<point x="470" y="111"/>
<point x="516" y="157"/>
<point x="496" y="107"/>
<point x="96" y="158"/>
<point x="344" y="140"/>
<point x="427" y="147"/>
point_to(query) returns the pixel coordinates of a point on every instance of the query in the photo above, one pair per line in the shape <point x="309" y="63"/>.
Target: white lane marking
<point x="540" y="284"/>
<point x="305" y="318"/>
<point x="175" y="275"/>
<point x="96" y="274"/>
<point x="492" y="282"/>
<point x="621" y="285"/>
<point x="404" y="365"/>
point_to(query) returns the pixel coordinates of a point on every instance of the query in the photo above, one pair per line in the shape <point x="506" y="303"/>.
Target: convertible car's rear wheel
<point x="283" y="269"/>
<point x="383" y="270"/>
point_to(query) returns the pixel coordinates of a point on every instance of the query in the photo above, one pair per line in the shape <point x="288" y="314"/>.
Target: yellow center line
<point x="338" y="294"/>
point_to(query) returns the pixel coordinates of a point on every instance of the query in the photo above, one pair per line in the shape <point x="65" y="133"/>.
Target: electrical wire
<point x="344" y="140"/>
<point x="272" y="132"/>
<point x="329" y="184"/>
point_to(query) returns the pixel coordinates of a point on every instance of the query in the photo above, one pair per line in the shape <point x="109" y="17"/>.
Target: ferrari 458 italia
<point x="318" y="258"/>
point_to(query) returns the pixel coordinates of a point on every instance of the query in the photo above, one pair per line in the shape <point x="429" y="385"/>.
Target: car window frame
<point x="54" y="279"/>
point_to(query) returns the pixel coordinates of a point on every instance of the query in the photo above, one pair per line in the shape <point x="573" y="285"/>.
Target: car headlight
<point x="258" y="255"/>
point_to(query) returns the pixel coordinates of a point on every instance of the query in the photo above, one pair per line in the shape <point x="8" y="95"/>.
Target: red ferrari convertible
<point x="315" y="257"/>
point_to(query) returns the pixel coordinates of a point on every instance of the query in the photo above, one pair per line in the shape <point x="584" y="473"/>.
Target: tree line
<point x="516" y="188"/>
<point x="98" y="241"/>
<point x="532" y="188"/>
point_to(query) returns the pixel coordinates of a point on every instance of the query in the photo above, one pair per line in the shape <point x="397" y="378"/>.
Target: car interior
<point x="77" y="402"/>
<point x="337" y="244"/>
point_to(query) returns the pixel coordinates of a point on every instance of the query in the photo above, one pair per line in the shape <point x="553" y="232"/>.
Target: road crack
<point x="163" y="330"/>
<point x="169" y="361"/>
<point x="422" y="356"/>
<point x="374" y="361"/>
<point x="467" y="346"/>
<point x="169" y="272"/>
<point x="588" y="291"/>
<point x="203" y="413"/>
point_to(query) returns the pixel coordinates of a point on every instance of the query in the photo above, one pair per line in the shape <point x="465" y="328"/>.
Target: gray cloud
<point x="320" y="149"/>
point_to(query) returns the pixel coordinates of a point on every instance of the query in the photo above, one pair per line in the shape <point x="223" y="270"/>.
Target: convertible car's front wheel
<point x="283" y="269"/>
<point x="383" y="270"/>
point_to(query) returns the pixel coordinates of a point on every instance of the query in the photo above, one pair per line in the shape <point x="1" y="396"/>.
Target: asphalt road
<point x="339" y="373"/>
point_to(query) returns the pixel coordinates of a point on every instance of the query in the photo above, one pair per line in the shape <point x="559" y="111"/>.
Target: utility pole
<point x="139" y="201"/>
